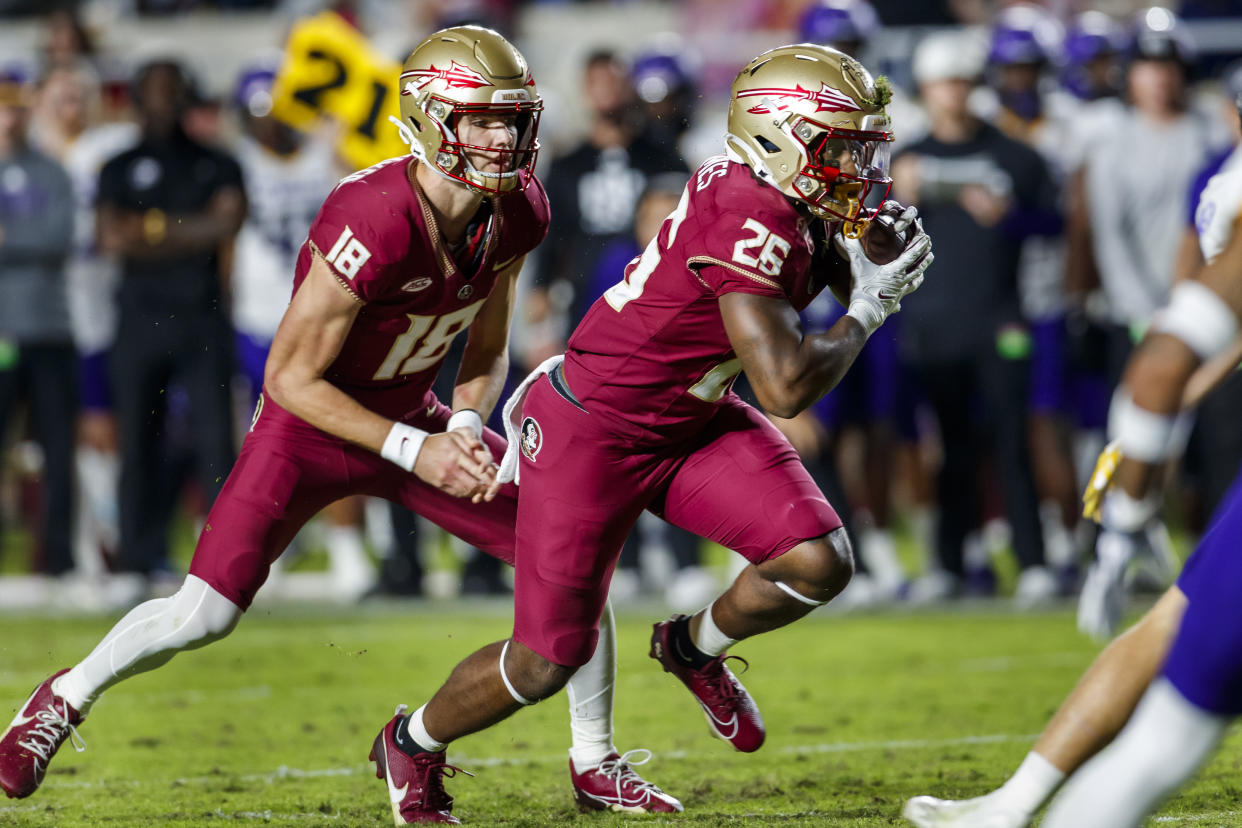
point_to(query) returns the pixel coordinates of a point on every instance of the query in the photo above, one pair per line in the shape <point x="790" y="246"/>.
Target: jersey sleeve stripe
<point x="709" y="260"/>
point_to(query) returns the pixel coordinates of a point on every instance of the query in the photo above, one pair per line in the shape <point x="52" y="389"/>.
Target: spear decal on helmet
<point x="826" y="99"/>
<point x="454" y="77"/>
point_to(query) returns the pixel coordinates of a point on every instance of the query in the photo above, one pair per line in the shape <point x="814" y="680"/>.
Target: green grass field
<point x="272" y="726"/>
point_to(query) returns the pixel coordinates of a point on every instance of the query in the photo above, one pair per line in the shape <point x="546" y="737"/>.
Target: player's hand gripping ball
<point x="887" y="234"/>
<point x="883" y="239"/>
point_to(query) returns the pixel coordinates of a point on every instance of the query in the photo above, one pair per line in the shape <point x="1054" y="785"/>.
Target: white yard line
<point x="275" y="816"/>
<point x="1232" y="816"/>
<point x="286" y="772"/>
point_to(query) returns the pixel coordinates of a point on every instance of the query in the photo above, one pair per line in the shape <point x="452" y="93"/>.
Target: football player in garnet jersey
<point x="639" y="414"/>
<point x="401" y="258"/>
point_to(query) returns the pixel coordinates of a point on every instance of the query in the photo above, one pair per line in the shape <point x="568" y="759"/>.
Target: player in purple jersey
<point x="1163" y="692"/>
<point x="402" y="257"/>
<point x="640" y="414"/>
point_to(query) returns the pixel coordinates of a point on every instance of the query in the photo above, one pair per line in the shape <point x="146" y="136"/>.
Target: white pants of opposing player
<point x="1165" y="742"/>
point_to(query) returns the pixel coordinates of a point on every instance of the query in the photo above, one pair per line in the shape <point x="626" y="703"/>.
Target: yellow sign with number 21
<point x="329" y="68"/>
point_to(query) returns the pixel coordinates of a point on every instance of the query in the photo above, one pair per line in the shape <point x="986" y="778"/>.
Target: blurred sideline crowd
<point x="149" y="228"/>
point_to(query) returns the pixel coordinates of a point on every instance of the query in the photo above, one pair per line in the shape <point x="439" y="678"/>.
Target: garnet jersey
<point x="380" y="239"/>
<point x="652" y="354"/>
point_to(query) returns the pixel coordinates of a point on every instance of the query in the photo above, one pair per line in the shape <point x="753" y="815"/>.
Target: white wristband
<point x="866" y="311"/>
<point x="466" y="418"/>
<point x="1122" y="513"/>
<point x="403" y="444"/>
<point x="1141" y="434"/>
<point x="1199" y="317"/>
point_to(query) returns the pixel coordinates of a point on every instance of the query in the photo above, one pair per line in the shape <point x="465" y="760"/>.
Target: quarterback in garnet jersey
<point x="640" y="415"/>
<point x="402" y="257"/>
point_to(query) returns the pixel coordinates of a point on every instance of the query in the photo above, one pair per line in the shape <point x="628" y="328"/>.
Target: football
<point x="880" y="240"/>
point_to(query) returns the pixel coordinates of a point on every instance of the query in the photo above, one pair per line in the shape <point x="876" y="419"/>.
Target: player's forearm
<point x="1210" y="375"/>
<point x="1156" y="382"/>
<point x="812" y="370"/>
<point x="329" y="409"/>
<point x="480" y="379"/>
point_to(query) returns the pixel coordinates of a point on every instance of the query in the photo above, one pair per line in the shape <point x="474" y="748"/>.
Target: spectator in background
<point x="169" y="208"/>
<point x="68" y="40"/>
<point x="1089" y="68"/>
<point x="37" y="361"/>
<point x="842" y="24"/>
<point x="1029" y="108"/>
<point x="978" y="192"/>
<point x="1137" y="177"/>
<point x="593" y="190"/>
<point x="65" y="126"/>
<point x="664" y="81"/>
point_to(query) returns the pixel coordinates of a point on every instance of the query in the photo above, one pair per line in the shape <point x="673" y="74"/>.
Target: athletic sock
<point x="710" y="639"/>
<point x="69" y="686"/>
<point x="411" y="736"/>
<point x="684" y="651"/>
<point x="1035" y="780"/>
<point x="590" y="693"/>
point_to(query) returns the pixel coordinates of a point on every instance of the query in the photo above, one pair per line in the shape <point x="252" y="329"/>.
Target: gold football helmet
<point x="469" y="70"/>
<point x="811" y="121"/>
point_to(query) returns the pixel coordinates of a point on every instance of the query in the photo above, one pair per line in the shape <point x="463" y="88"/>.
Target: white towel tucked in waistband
<point x="512" y="414"/>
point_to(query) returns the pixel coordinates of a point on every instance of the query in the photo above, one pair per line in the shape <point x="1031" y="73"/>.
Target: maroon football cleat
<point x="415" y="783"/>
<point x="35" y="734"/>
<point x="731" y="712"/>
<point x="612" y="785"/>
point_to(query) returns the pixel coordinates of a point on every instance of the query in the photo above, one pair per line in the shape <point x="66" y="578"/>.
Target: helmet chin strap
<point x="407" y="136"/>
<point x="416" y="149"/>
<point x="738" y="150"/>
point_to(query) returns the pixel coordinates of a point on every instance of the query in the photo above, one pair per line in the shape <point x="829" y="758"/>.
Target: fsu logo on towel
<point x="532" y="438"/>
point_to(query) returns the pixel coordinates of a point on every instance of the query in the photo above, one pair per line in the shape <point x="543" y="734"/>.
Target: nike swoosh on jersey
<point x="504" y="264"/>
<point x="431" y="410"/>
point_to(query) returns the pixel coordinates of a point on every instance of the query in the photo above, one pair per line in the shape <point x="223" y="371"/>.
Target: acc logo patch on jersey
<point x="415" y="285"/>
<point x="532" y="438"/>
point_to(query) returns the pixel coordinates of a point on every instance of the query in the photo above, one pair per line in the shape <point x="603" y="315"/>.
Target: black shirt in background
<point x="972" y="289"/>
<point x="178" y="177"/>
<point x="592" y="195"/>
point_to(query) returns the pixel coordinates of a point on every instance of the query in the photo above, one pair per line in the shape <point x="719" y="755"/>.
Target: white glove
<point x="1103" y="598"/>
<point x="902" y="220"/>
<point x="878" y="289"/>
